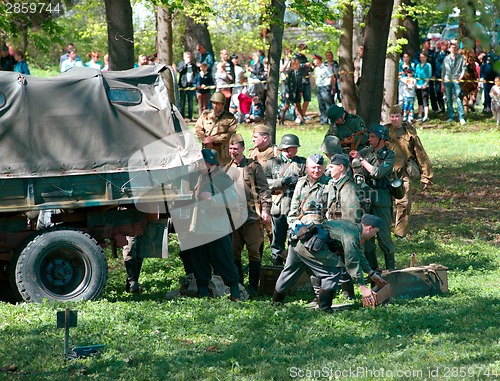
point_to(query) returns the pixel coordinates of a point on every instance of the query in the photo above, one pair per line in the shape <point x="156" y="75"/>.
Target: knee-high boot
<point x="240" y="270"/>
<point x="325" y="300"/>
<point x="253" y="277"/>
<point x="278" y="297"/>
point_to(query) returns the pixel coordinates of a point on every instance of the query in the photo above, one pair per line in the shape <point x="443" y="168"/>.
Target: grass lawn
<point x="457" y="336"/>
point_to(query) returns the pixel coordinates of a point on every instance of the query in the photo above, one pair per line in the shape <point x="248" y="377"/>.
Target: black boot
<point x="348" y="290"/>
<point x="132" y="284"/>
<point x="253" y="277"/>
<point x="278" y="297"/>
<point x="240" y="270"/>
<point x="325" y="300"/>
<point x="316" y="285"/>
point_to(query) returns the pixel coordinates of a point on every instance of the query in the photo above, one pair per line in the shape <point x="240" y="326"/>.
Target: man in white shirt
<point x="324" y="81"/>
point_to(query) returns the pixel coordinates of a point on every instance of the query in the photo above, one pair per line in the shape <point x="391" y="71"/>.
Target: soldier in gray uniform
<point x="377" y="163"/>
<point x="325" y="261"/>
<point x="349" y="128"/>
<point x="282" y="174"/>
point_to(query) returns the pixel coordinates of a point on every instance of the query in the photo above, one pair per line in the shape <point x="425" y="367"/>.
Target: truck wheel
<point x="61" y="265"/>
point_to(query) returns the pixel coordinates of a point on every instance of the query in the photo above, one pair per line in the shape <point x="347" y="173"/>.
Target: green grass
<point x="456" y="336"/>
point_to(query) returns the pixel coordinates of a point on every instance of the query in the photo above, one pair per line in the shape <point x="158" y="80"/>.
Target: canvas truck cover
<point x="87" y="121"/>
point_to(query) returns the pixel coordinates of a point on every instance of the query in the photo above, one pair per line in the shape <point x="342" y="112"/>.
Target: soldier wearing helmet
<point x="282" y="174"/>
<point x="349" y="128"/>
<point x="215" y="127"/>
<point x="377" y="163"/>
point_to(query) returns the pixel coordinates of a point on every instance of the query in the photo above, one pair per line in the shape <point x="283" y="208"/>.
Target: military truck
<point x="87" y="158"/>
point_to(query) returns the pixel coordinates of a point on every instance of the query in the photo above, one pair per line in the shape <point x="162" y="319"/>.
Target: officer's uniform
<point x="277" y="169"/>
<point x="221" y="127"/>
<point x="212" y="220"/>
<point x="257" y="195"/>
<point x="378" y="181"/>
<point x="353" y="127"/>
<point x="405" y="142"/>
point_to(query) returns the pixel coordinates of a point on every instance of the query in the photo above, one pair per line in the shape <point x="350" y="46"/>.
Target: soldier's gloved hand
<point x="290" y="180"/>
<point x="379" y="281"/>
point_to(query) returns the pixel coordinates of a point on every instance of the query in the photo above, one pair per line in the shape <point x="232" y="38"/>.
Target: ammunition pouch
<point x="317" y="241"/>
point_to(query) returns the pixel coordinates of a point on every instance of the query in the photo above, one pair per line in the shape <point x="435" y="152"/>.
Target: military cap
<point x="210" y="156"/>
<point x="396" y="109"/>
<point x="316" y="158"/>
<point x="339" y="159"/>
<point x="381" y="131"/>
<point x="236" y="138"/>
<point x="317" y="56"/>
<point x="371" y="220"/>
<point x="218" y="97"/>
<point x="334" y="113"/>
<point x="261" y="129"/>
<point x="289" y="140"/>
<point x="331" y="145"/>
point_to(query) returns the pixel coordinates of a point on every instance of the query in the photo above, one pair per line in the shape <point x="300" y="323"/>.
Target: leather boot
<point x="316" y="285"/>
<point x="278" y="297"/>
<point x="325" y="300"/>
<point x="240" y="270"/>
<point x="348" y="290"/>
<point x="253" y="277"/>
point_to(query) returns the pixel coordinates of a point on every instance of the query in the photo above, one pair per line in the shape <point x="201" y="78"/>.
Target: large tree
<point x="346" y="61"/>
<point x="372" y="74"/>
<point x="120" y="34"/>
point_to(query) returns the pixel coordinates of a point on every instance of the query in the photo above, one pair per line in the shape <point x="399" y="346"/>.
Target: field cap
<point x="395" y="110"/>
<point x="236" y="138"/>
<point x="371" y="220"/>
<point x="210" y="156"/>
<point x="339" y="159"/>
<point x="261" y="129"/>
<point x="334" y="113"/>
<point x="316" y="158"/>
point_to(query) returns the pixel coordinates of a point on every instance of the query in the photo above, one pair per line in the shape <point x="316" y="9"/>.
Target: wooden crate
<point x="269" y="275"/>
<point x="414" y="282"/>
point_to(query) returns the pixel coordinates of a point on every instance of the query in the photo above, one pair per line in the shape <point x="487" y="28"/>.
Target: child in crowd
<point x="256" y="113"/>
<point x="495" y="99"/>
<point x="408" y="95"/>
<point x="201" y="82"/>
<point x="21" y="66"/>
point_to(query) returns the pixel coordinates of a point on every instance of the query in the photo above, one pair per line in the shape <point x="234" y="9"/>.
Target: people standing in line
<point x="93" y="61"/>
<point x="215" y="194"/>
<point x="452" y="73"/>
<point x="404" y="64"/>
<point x="293" y="89"/>
<point x="187" y="71"/>
<point x="71" y="61"/>
<point x="423" y="75"/>
<point x="257" y="202"/>
<point x="409" y="91"/>
<point x="325" y="80"/>
<point x="282" y="174"/>
<point x="215" y="127"/>
<point x="412" y="162"/>
<point x="202" y="82"/>
<point x="377" y="163"/>
<point x="443" y="52"/>
<point x="21" y="65"/>
<point x="349" y="128"/>
<point x="204" y="56"/>
<point x="305" y="72"/>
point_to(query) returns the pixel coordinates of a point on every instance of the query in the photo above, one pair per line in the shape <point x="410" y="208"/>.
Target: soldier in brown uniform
<point x="258" y="201"/>
<point x="263" y="149"/>
<point x="215" y="127"/>
<point x="411" y="162"/>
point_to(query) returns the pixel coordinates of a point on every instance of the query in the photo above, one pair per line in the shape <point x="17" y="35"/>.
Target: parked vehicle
<point x="88" y="158"/>
<point x="434" y="34"/>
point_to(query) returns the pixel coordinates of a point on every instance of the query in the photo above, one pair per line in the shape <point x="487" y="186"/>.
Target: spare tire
<point x="61" y="265"/>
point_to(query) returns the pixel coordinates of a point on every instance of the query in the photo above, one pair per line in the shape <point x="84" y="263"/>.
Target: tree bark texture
<point x="164" y="39"/>
<point x="411" y="26"/>
<point x="120" y="34"/>
<point x="196" y="34"/>
<point x="275" y="47"/>
<point x="346" y="62"/>
<point x="375" y="47"/>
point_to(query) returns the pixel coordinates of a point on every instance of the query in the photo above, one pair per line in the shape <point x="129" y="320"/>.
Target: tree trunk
<point x="196" y="34"/>
<point x="346" y="62"/>
<point x="120" y="34"/>
<point x="411" y="26"/>
<point x="275" y="47"/>
<point x="164" y="39"/>
<point x="391" y="65"/>
<point x="372" y="75"/>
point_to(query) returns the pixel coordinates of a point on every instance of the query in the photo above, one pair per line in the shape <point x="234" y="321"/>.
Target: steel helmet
<point x="289" y="140"/>
<point x="218" y="97"/>
<point x="381" y="131"/>
<point x="331" y="145"/>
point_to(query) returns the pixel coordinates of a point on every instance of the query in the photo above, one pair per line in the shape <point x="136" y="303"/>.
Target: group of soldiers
<point x="330" y="215"/>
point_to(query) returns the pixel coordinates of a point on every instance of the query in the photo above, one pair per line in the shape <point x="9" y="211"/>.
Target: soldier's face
<point x="236" y="150"/>
<point x="396" y="120"/>
<point x="290" y="152"/>
<point x="374" y="140"/>
<point x="314" y="170"/>
<point x="259" y="141"/>
<point x="217" y="107"/>
<point x="336" y="170"/>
